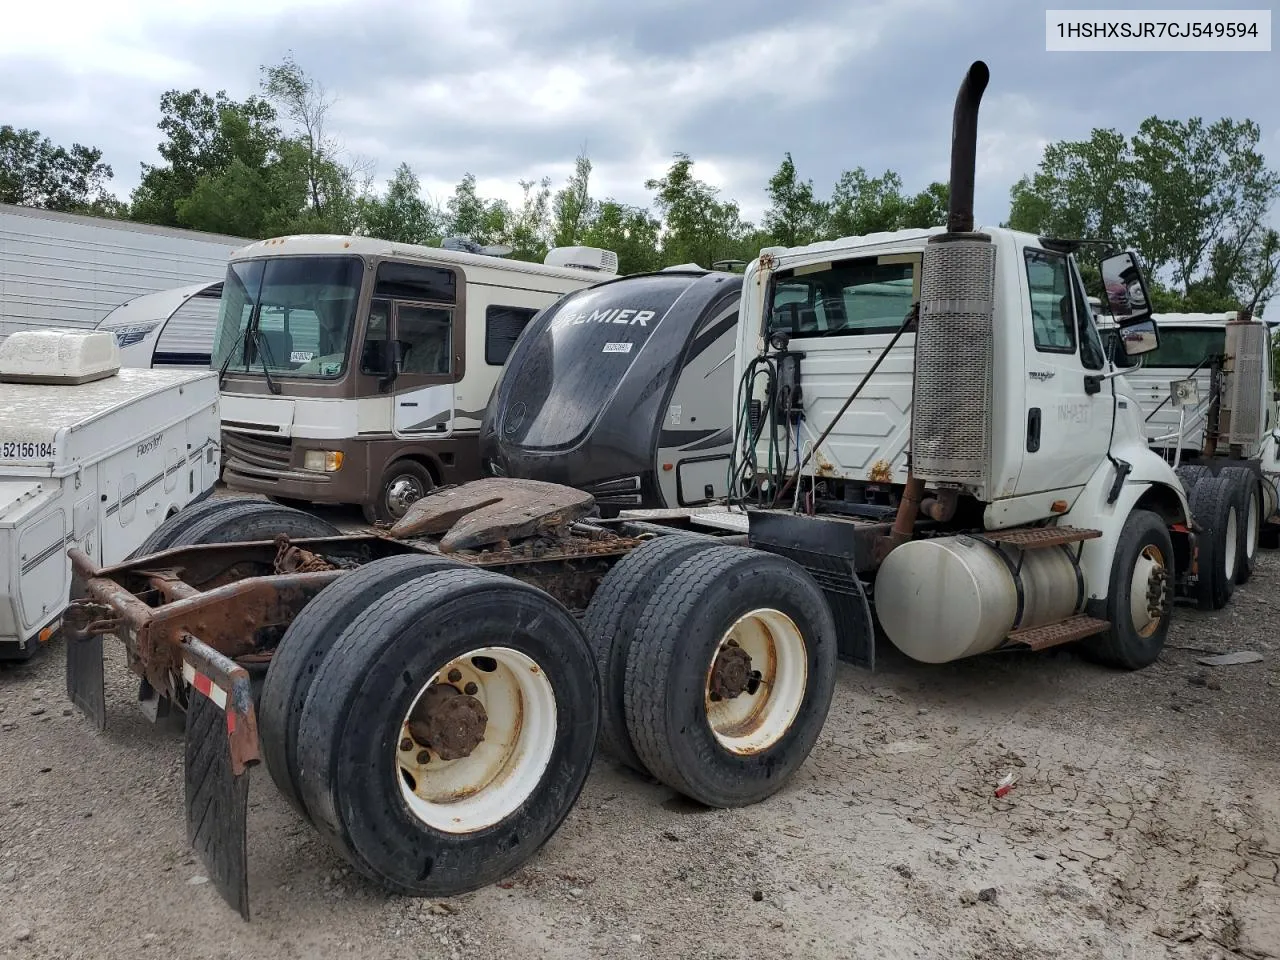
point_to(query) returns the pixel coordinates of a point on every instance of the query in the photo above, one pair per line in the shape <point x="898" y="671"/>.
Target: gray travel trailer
<point x="623" y="390"/>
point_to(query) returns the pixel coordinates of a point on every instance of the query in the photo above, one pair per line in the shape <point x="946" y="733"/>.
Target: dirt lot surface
<point x="1145" y="822"/>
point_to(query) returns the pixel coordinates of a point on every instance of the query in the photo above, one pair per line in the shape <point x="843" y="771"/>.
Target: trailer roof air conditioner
<point x="583" y="258"/>
<point x="58" y="357"/>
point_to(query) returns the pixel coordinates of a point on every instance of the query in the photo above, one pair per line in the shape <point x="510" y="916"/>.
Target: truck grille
<point x="257" y="455"/>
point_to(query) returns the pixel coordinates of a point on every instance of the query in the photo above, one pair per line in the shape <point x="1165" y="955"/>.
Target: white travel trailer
<point x="92" y="457"/>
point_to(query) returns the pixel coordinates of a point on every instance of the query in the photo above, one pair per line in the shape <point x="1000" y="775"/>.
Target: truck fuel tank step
<point x="1053" y="634"/>
<point x="1037" y="538"/>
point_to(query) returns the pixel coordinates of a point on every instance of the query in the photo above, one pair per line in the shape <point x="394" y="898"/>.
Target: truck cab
<point x="357" y="370"/>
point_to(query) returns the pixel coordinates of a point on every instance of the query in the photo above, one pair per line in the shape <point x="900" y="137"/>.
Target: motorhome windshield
<point x="291" y="315"/>
<point x="1180" y="348"/>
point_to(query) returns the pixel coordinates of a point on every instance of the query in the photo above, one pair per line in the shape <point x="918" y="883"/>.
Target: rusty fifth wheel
<point x="448" y="731"/>
<point x="730" y="675"/>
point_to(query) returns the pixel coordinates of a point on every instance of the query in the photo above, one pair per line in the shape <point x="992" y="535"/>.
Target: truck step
<point x="1037" y="538"/>
<point x="1064" y="631"/>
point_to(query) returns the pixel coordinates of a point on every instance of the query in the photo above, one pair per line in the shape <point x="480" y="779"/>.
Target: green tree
<point x="1192" y="197"/>
<point x="861" y="204"/>
<point x="330" y="183"/>
<point x="400" y="214"/>
<point x="572" y="210"/>
<point x="34" y="172"/>
<point x="528" y="230"/>
<point x="794" y="216"/>
<point x="203" y="137"/>
<point x="472" y="216"/>
<point x="630" y="232"/>
<point x="697" y="226"/>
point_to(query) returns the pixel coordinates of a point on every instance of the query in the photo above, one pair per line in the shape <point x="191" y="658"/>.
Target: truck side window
<point x="846" y="298"/>
<point x="1092" y="355"/>
<point x="1049" y="283"/>
<point x="502" y="327"/>
<point x="424" y="336"/>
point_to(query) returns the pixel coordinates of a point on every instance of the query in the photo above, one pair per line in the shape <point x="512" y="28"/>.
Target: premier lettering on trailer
<point x="148" y="445"/>
<point x="616" y="316"/>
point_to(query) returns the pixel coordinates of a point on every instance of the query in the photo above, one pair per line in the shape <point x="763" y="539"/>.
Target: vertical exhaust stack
<point x="951" y="393"/>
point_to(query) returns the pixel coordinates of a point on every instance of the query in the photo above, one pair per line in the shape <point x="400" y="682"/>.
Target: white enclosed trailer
<point x="70" y="271"/>
<point x="92" y="457"/>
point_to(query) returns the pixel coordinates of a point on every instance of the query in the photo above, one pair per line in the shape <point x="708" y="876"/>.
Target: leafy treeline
<point x="1194" y="198"/>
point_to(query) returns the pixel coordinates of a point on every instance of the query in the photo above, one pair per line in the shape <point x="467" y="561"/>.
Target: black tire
<point x="256" y="520"/>
<point x="1215" y="507"/>
<point x="610" y="624"/>
<point x="1270" y="536"/>
<point x="401" y="483"/>
<point x="303" y="648"/>
<point x="350" y="779"/>
<point x="1124" y="645"/>
<point x="1192" y="473"/>
<point x="164" y="536"/>
<point x="676" y="642"/>
<point x="1250" y="525"/>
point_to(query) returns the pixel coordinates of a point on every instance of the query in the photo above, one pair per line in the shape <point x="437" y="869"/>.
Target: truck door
<point x="1069" y="413"/>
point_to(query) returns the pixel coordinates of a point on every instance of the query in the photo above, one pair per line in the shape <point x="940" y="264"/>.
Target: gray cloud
<point x="509" y="90"/>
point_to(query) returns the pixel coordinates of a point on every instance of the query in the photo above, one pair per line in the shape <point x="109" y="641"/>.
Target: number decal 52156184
<point x="26" y="450"/>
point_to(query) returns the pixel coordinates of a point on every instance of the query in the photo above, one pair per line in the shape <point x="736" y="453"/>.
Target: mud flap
<point x="84" y="677"/>
<point x="221" y="746"/>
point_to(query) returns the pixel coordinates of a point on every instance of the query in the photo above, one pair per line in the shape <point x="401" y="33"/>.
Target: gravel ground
<point x="1145" y="822"/>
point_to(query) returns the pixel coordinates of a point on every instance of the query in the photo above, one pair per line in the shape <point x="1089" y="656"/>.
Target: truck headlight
<point x="322" y="461"/>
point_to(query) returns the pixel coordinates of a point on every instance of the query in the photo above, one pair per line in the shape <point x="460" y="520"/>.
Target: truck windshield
<point x="291" y="315"/>
<point x="1180" y="348"/>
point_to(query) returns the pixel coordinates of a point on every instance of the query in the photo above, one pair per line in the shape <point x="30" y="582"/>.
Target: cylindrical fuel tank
<point x="951" y="597"/>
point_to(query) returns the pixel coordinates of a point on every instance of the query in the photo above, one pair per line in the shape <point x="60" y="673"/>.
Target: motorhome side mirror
<point x="1139" y="338"/>
<point x="1124" y="287"/>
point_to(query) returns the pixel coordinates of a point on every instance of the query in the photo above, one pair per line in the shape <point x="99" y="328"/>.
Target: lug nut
<point x="470" y="689"/>
<point x="406" y="744"/>
<point x="424" y="756"/>
<point x="455" y="675"/>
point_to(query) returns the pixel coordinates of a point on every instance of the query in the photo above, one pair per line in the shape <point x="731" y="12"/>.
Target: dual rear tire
<point x="435" y="722"/>
<point x="717" y="665"/>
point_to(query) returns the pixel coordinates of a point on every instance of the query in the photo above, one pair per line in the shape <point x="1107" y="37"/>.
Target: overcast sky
<point x="511" y="89"/>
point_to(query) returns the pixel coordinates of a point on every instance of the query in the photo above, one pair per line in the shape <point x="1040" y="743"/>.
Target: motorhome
<point x="357" y="370"/>
<point x="624" y="390"/>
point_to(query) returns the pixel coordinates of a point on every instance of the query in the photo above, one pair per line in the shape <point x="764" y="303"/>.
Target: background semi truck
<point x="70" y="271"/>
<point x="430" y="702"/>
<point x="1209" y="400"/>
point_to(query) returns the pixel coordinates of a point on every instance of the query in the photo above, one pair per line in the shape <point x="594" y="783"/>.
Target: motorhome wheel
<point x="403" y="484"/>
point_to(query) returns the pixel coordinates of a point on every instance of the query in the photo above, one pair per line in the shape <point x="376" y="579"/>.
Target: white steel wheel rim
<point x="1255" y="524"/>
<point x="1145" y="569"/>
<point x="1231" y="543"/>
<point x="752" y="722"/>
<point x="471" y="793"/>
